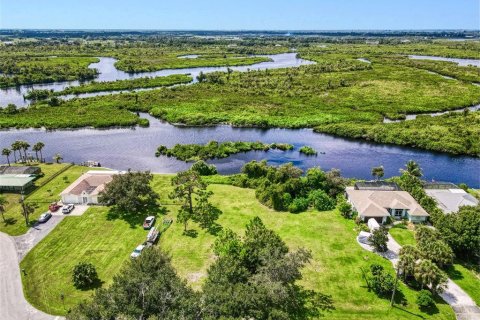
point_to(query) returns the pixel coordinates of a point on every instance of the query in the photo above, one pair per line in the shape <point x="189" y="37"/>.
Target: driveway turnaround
<point x="13" y="305"/>
<point x="461" y="303"/>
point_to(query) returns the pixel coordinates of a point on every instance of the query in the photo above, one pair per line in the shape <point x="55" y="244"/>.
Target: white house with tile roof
<point x="85" y="190"/>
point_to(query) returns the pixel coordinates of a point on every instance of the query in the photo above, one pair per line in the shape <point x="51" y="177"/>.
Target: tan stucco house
<point x="381" y="204"/>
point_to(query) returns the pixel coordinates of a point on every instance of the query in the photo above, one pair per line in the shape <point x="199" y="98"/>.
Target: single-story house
<point x="383" y="204"/>
<point x="16" y="182"/>
<point x="449" y="197"/>
<point x="85" y="190"/>
<point x="31" y="170"/>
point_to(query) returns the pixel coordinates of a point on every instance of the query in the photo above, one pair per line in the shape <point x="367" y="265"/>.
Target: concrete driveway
<point x="27" y="241"/>
<point x="77" y="211"/>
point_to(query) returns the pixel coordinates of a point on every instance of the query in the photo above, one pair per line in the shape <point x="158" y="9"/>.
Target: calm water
<point x="108" y="72"/>
<point x="135" y="148"/>
<point x="460" y="62"/>
<point x="433" y="114"/>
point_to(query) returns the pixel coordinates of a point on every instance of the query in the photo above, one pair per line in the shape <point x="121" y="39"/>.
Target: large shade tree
<point x="461" y="230"/>
<point x="130" y="193"/>
<point x="256" y="278"/>
<point x="145" y="288"/>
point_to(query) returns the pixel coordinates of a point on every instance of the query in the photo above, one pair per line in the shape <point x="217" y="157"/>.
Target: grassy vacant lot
<point x="91" y="238"/>
<point x="41" y="196"/>
<point x="335" y="268"/>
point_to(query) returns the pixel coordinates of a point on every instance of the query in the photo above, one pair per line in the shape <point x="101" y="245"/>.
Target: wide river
<point x="135" y="147"/>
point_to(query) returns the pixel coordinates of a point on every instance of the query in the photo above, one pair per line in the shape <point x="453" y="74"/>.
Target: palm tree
<point x="16" y="147"/>
<point x="57" y="157"/>
<point x="408" y="260"/>
<point x="27" y="210"/>
<point x="3" y="206"/>
<point x="429" y="275"/>
<point x="378" y="172"/>
<point x="37" y="147"/>
<point x="6" y="152"/>
<point x="25" y="145"/>
<point x="439" y="252"/>
<point x="414" y="169"/>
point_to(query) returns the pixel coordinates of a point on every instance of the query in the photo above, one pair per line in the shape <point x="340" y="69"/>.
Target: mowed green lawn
<point x="335" y="268"/>
<point x="90" y="238"/>
<point x="402" y="235"/>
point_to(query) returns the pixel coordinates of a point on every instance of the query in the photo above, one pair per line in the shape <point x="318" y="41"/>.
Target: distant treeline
<point x="26" y="33"/>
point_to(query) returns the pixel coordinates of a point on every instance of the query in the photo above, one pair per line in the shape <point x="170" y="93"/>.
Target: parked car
<point x="137" y="252"/>
<point x="54" y="206"/>
<point x="44" y="217"/>
<point x="148" y="223"/>
<point x="68" y="208"/>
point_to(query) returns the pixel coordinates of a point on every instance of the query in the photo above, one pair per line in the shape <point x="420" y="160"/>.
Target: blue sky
<point x="241" y="14"/>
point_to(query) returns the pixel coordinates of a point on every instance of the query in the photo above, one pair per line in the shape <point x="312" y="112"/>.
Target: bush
<point x="321" y="201"/>
<point x="344" y="207"/>
<point x="309" y="151"/>
<point x="425" y="299"/>
<point x="84" y="275"/>
<point x="298" y="205"/>
<point x="203" y="168"/>
<point x="379" y="239"/>
<point x="381" y="282"/>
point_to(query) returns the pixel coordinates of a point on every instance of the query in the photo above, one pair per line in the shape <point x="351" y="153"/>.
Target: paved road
<point x="13" y="305"/>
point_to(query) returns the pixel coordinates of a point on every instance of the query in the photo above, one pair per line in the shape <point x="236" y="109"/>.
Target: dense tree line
<point x="285" y="188"/>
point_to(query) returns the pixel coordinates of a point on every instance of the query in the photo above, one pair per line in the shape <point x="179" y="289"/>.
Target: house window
<point x="398" y="213"/>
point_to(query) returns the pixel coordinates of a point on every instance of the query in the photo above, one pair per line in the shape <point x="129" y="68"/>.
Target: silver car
<point x="44" y="217"/>
<point x="137" y="252"/>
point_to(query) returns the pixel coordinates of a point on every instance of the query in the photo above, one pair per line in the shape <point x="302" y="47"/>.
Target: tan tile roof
<point x="373" y="203"/>
<point x="92" y="182"/>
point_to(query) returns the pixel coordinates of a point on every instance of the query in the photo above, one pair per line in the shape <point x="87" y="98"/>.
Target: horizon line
<point x="237" y="30"/>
